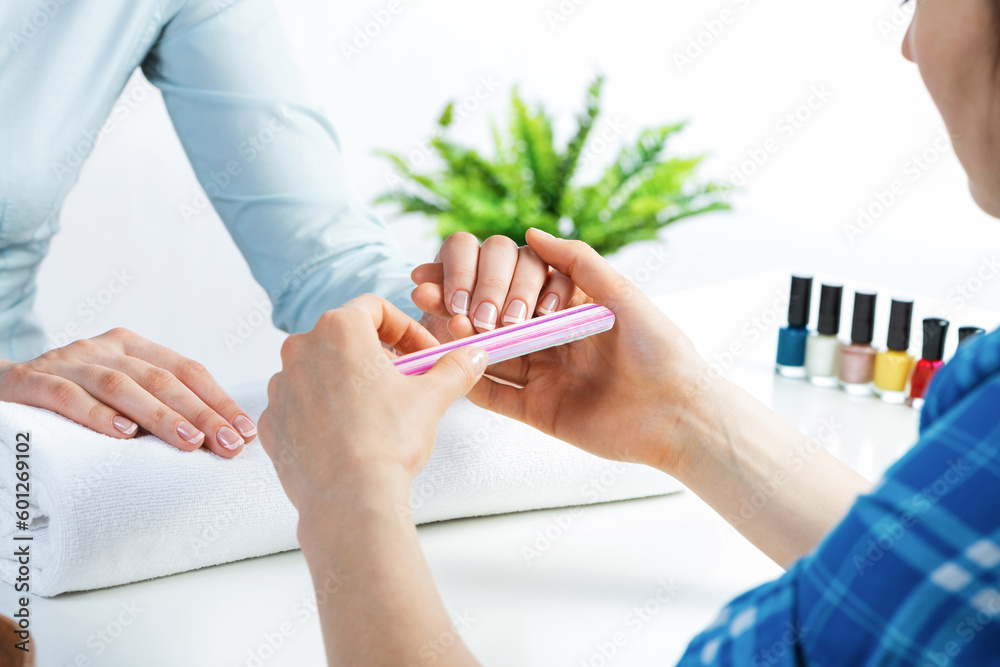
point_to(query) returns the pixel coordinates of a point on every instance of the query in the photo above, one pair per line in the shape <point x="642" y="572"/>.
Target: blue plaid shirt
<point x="911" y="576"/>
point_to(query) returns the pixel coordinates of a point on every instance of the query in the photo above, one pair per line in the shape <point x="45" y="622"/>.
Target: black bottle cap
<point x="968" y="332"/>
<point x="829" y="309"/>
<point x="863" y="327"/>
<point x="935" y="330"/>
<point x="798" y="301"/>
<point x="900" y="317"/>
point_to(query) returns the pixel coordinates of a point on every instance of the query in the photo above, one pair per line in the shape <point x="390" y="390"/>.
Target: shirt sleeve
<point x="910" y="577"/>
<point x="270" y="162"/>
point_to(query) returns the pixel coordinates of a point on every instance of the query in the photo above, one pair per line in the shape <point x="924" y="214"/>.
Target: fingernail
<point x="549" y="304"/>
<point x="478" y="358"/>
<point x="516" y="312"/>
<point x="126" y="426"/>
<point x="543" y="232"/>
<point x="460" y="303"/>
<point x="486" y="316"/>
<point x="229" y="438"/>
<point x="189" y="433"/>
<point x="244" y="426"/>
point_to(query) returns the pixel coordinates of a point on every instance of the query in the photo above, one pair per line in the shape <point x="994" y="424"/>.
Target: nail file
<point x="506" y="343"/>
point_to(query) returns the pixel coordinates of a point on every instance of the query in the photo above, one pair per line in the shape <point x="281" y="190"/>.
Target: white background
<point x="191" y="286"/>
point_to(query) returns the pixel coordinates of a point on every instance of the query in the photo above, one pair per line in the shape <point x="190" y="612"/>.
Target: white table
<point x="671" y="557"/>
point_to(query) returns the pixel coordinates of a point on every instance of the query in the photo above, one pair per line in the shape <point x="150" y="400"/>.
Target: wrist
<point x="371" y="493"/>
<point x="696" y="424"/>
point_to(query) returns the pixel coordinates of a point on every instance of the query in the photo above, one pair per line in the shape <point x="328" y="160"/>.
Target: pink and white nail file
<point x="540" y="333"/>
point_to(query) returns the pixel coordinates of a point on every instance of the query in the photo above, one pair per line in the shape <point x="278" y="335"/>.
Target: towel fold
<point x="105" y="511"/>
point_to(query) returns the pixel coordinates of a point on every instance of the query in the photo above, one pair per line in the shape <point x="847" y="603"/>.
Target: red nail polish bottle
<point x="935" y="330"/>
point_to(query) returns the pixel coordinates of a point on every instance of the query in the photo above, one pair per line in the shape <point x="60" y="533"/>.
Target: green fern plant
<point x="529" y="182"/>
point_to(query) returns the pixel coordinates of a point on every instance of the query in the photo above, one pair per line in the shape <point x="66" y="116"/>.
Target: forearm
<point x="343" y="273"/>
<point x="270" y="162"/>
<point x="781" y="489"/>
<point x="380" y="605"/>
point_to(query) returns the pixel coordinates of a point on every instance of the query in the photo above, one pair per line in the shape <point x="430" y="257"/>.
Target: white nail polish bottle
<point x="822" y="347"/>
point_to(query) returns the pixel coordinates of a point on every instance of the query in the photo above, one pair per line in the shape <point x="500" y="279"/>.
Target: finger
<point x="429" y="298"/>
<point x="460" y="326"/>
<point x="529" y="277"/>
<point x="437" y="326"/>
<point x="513" y="370"/>
<point x="69" y="399"/>
<point x="432" y="272"/>
<point x="117" y="390"/>
<point x="455" y="374"/>
<point x="497" y="260"/>
<point x="499" y="398"/>
<point x="394" y="327"/>
<point x="195" y="377"/>
<point x="220" y="437"/>
<point x="460" y="261"/>
<point x="591" y="272"/>
<point x="556" y="294"/>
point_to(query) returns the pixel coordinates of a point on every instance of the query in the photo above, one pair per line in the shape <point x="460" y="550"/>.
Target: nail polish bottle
<point x="857" y="358"/>
<point x="893" y="365"/>
<point x="935" y="331"/>
<point x="965" y="333"/>
<point x="822" y="347"/>
<point x="792" y="339"/>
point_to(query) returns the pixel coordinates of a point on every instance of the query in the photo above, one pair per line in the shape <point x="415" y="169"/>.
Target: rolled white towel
<point x="105" y="512"/>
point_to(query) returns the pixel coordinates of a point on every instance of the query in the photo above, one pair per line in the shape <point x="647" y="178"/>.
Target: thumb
<point x="584" y="266"/>
<point x="455" y="374"/>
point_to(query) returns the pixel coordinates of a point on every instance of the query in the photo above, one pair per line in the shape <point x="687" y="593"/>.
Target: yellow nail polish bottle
<point x="894" y="364"/>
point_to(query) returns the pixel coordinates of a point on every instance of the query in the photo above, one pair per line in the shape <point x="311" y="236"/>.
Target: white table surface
<point x="610" y="561"/>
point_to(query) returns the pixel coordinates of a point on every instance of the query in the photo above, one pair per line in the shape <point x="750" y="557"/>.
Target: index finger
<point x="432" y="272"/>
<point x="394" y="327"/>
<point x="584" y="266"/>
<point x="194" y="376"/>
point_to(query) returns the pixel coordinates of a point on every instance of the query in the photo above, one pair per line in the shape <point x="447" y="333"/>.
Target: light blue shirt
<point x="269" y="160"/>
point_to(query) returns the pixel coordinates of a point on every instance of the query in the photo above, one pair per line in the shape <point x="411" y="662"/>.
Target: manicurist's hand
<point x="340" y="410"/>
<point x="119" y="382"/>
<point x="616" y="394"/>
<point x="641" y="393"/>
<point x="347" y="433"/>
<point x="493" y="285"/>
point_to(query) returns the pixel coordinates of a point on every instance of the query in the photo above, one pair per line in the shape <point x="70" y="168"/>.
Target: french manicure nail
<point x="478" y="358"/>
<point x="486" y="316"/>
<point x="549" y="304"/>
<point x="189" y="433"/>
<point x="126" y="426"/>
<point x="245" y="426"/>
<point x="229" y="438"/>
<point x="460" y="303"/>
<point x="516" y="312"/>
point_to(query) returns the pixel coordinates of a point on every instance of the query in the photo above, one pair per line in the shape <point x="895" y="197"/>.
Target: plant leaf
<point x="447" y="115"/>
<point x="584" y="122"/>
<point x="527" y="182"/>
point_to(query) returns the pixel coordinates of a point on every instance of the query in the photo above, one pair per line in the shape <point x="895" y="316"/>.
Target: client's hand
<point x="347" y="433"/>
<point x="340" y="412"/>
<point x="119" y="381"/>
<point x="617" y="394"/>
<point x="472" y="289"/>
